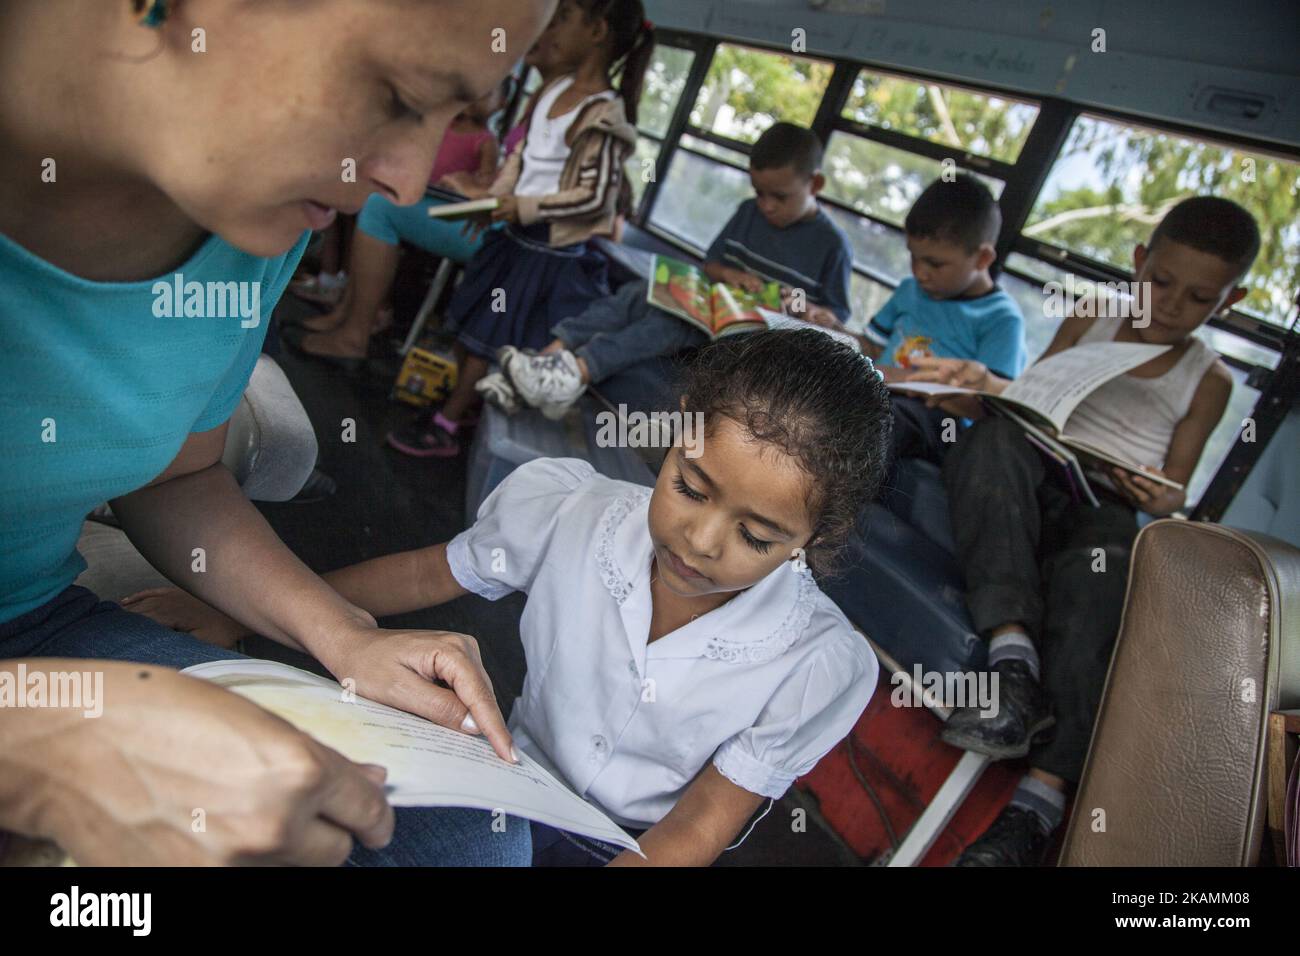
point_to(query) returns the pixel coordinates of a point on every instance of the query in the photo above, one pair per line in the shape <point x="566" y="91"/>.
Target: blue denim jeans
<point x="77" y="624"/>
<point x="552" y="847"/>
<point x="620" y="330"/>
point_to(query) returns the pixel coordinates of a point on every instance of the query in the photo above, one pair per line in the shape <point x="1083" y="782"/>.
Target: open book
<point x="716" y="309"/>
<point x="428" y="765"/>
<point x="1042" y="399"/>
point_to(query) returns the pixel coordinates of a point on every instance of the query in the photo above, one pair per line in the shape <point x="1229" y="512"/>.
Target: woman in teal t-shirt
<point x="162" y="162"/>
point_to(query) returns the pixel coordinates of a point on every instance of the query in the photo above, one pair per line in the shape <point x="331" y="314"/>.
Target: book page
<point x="428" y="765"/>
<point x="777" y="320"/>
<point x="681" y="290"/>
<point x="733" y="305"/>
<point x="930" y="388"/>
<point x="1056" y="385"/>
<point x="1108" y="457"/>
<point x="1049" y="446"/>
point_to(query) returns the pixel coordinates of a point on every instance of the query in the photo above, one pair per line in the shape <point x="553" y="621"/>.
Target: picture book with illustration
<point x="716" y="309"/>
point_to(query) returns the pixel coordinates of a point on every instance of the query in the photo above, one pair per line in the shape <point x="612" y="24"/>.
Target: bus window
<point x="977" y="123"/>
<point x="1112" y="183"/>
<point x="747" y="90"/>
<point x="664" y="83"/>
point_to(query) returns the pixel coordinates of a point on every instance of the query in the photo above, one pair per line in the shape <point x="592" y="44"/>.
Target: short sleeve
<point x="718" y="250"/>
<point x="836" y="280"/>
<point x="503" y="550"/>
<point x="810" y="712"/>
<point x="226" y="396"/>
<point x="881" y="326"/>
<point x="1002" y="340"/>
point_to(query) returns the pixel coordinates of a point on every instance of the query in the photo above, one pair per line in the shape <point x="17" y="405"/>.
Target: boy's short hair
<point x="1210" y="224"/>
<point x="785" y="144"/>
<point x="961" y="211"/>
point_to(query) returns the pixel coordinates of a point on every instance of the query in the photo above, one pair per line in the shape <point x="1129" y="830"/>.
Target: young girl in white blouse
<point x="683" y="665"/>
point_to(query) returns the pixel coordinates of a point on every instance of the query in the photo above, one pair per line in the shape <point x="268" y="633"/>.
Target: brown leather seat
<point x="1209" y="644"/>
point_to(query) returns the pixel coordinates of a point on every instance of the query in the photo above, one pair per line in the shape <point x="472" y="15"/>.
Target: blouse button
<point x="598" y="745"/>
<point x="631" y="669"/>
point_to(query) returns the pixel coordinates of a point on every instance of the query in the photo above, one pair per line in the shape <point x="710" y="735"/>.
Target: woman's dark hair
<point x="632" y="43"/>
<point x="819" y="401"/>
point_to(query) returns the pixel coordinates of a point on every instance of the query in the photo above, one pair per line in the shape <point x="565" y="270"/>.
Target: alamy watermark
<point x="1098" y="300"/>
<point x="946" y="689"/>
<point x="208" y="300"/>
<point x="75" y="690"/>
<point x="622" y="429"/>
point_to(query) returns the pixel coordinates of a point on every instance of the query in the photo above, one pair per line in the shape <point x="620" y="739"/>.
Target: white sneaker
<point x="497" y="391"/>
<point x="550" y="382"/>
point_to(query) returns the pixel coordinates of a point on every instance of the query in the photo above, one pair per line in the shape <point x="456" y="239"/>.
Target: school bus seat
<point x="1267" y="502"/>
<point x="504" y="442"/>
<point x="1208" y="647"/>
<point x="904" y="586"/>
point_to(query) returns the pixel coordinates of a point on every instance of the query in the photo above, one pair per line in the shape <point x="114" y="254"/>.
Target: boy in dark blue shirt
<point x="781" y="235"/>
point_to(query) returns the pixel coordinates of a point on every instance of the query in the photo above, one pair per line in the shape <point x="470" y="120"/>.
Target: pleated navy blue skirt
<point x="517" y="288"/>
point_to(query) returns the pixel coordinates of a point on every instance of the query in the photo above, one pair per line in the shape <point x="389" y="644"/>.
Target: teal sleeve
<point x="225" y="398"/>
<point x="1002" y="341"/>
<point x="881" y="326"/>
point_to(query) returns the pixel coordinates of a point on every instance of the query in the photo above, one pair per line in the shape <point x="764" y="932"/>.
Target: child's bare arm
<point x="1185" y="447"/>
<point x="398" y="583"/>
<point x="704" y="822"/>
<point x="393" y="584"/>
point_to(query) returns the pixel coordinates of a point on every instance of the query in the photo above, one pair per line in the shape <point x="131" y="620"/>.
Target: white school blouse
<point x="763" y="686"/>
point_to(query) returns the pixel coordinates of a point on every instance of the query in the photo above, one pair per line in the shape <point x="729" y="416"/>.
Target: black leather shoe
<point x="1015" y="838"/>
<point x="1023" y="714"/>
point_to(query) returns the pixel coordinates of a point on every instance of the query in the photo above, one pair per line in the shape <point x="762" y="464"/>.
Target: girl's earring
<point x="150" y="13"/>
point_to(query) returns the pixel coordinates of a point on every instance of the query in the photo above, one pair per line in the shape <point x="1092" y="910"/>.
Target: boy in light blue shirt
<point x="949" y="307"/>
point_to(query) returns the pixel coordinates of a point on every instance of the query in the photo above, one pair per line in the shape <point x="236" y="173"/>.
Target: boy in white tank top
<point x="1029" y="552"/>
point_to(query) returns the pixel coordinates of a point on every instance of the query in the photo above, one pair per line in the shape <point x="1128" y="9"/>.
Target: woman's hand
<point x="399" y="668"/>
<point x="1146" y="495"/>
<point x="181" y="611"/>
<point x="180" y="772"/>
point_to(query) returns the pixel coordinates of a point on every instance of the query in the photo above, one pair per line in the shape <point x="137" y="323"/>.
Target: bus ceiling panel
<point x="1238" y="101"/>
<point x="932" y="44"/>
<point x="1198" y="62"/>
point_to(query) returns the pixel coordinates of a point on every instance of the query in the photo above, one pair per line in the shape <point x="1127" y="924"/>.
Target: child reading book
<point x="556" y="191"/>
<point x="949" y="307"/>
<point x="683" y="665"/>
<point x="781" y="236"/>
<point x="1035" y="585"/>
